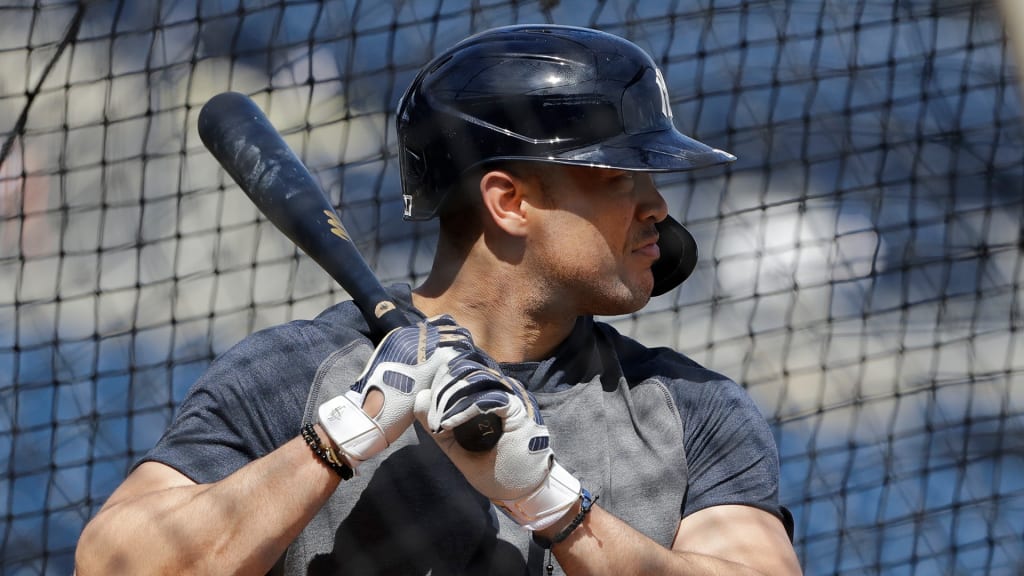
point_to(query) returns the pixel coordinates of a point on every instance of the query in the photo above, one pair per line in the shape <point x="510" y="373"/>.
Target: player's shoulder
<point x="331" y="329"/>
<point x="277" y="363"/>
<point x="640" y="362"/>
<point x="334" y="328"/>
<point x="700" y="394"/>
<point x="695" y="388"/>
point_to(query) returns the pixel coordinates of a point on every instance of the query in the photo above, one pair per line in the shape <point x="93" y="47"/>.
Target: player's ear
<point x="503" y="199"/>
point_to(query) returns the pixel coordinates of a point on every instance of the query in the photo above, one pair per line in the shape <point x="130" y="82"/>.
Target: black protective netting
<point x="861" y="267"/>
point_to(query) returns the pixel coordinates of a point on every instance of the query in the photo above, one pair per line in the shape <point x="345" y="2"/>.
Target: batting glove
<point x="520" y="475"/>
<point x="405" y="362"/>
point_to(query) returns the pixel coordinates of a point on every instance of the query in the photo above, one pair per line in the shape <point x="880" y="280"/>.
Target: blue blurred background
<point x="861" y="269"/>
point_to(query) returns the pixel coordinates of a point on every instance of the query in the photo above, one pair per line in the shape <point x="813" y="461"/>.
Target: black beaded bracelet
<point x="325" y="453"/>
<point x="587" y="504"/>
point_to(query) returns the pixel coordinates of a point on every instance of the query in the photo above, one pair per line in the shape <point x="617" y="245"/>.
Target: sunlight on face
<point x="595" y="238"/>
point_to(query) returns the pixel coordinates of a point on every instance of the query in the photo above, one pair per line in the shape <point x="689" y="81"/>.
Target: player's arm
<point x="522" y="477"/>
<point x="737" y="540"/>
<point x="160" y="522"/>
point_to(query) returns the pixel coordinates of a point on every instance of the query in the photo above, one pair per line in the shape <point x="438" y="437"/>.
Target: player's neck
<point x="511" y="317"/>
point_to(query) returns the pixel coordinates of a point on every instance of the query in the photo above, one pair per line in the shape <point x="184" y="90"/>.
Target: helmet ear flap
<point x="678" y="256"/>
<point x="418" y="184"/>
<point x="414" y="174"/>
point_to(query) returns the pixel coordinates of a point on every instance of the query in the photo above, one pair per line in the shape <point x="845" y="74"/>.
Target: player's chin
<point x="631" y="295"/>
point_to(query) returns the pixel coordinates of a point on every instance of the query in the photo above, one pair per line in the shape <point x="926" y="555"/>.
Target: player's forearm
<point x="241" y="524"/>
<point x="603" y="544"/>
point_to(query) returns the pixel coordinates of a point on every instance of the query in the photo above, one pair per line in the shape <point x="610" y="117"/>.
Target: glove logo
<point x="337" y="413"/>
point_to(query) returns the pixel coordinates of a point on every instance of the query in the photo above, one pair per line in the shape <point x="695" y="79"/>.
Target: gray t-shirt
<point x="655" y="435"/>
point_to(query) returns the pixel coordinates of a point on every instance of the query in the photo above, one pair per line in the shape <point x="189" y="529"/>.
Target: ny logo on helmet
<point x="666" y="108"/>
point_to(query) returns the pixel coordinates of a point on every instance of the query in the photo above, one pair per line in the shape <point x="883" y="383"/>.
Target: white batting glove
<point x="520" y="474"/>
<point x="405" y="362"/>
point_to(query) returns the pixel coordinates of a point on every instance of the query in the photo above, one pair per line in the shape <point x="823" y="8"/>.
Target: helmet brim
<point x="661" y="151"/>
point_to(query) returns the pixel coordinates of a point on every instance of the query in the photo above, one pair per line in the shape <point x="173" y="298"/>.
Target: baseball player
<point x="305" y="449"/>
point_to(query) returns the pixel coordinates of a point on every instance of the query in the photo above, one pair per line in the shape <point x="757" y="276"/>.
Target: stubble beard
<point x="612" y="295"/>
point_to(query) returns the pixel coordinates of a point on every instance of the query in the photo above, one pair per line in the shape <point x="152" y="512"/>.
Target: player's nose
<point x="650" y="203"/>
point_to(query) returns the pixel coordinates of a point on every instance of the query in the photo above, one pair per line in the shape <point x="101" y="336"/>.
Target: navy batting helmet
<point x="546" y="93"/>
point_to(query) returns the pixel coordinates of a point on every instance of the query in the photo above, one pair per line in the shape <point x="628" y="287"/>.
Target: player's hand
<point x="405" y="362"/>
<point x="519" y="475"/>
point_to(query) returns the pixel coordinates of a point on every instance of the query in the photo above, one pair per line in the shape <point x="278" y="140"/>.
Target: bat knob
<point x="479" y="434"/>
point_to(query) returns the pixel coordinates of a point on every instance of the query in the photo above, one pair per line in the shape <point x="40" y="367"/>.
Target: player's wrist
<point x="567" y="525"/>
<point x="329" y="444"/>
<point x="355" y="436"/>
<point x="325" y="451"/>
<point x="549" y="532"/>
<point x="548" y="503"/>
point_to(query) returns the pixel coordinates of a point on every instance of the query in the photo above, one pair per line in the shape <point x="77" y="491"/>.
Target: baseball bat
<point x="253" y="153"/>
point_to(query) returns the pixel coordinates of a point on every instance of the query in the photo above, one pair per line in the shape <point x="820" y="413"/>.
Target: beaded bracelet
<point x="325" y="452"/>
<point x="587" y="504"/>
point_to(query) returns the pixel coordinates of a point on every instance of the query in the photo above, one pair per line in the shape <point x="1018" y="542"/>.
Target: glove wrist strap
<point x="356" y="435"/>
<point x="545" y="505"/>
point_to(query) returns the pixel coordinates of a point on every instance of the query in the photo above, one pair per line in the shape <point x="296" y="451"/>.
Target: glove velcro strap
<point x="356" y="435"/>
<point x="545" y="505"/>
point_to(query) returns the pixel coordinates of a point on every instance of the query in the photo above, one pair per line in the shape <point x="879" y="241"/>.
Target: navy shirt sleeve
<point x="251" y="399"/>
<point x="248" y="402"/>
<point x="731" y="454"/>
<point x="730" y="451"/>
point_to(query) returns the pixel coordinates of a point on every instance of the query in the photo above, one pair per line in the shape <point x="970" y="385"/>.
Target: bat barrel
<point x="252" y="152"/>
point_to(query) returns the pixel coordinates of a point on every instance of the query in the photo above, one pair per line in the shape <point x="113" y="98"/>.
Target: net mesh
<point x="861" y="270"/>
